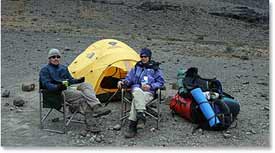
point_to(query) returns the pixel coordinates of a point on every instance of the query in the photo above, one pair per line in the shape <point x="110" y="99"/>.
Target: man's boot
<point x="132" y="131"/>
<point x="141" y="120"/>
<point x="99" y="110"/>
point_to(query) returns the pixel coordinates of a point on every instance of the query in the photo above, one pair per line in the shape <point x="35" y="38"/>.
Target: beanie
<point x="53" y="52"/>
<point x="145" y="52"/>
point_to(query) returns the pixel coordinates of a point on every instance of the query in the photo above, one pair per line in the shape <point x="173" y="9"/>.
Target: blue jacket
<point x="151" y="70"/>
<point x="51" y="75"/>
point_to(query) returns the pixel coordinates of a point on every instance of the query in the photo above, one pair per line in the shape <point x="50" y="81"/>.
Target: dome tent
<point x="103" y="64"/>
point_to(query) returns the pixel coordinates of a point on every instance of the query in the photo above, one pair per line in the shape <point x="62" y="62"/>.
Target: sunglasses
<point x="55" y="56"/>
<point x="143" y="56"/>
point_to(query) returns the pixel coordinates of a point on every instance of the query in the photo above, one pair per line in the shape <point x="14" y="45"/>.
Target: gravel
<point x="180" y="34"/>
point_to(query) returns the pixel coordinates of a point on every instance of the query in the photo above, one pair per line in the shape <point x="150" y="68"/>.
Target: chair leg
<point x="48" y="113"/>
<point x="158" y="105"/>
<point x="40" y="110"/>
<point x="64" y="117"/>
<point x="122" y="107"/>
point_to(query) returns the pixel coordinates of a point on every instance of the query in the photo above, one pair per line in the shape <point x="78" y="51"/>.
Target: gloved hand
<point x="80" y="80"/>
<point x="61" y="87"/>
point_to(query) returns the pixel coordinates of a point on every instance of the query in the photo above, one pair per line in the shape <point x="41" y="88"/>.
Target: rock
<point x="200" y="37"/>
<point x="263" y="83"/>
<point x="252" y="131"/>
<point x="156" y="6"/>
<point x="83" y="133"/>
<point x="28" y="87"/>
<point x="264" y="95"/>
<point x="18" y="101"/>
<point x="229" y="49"/>
<point x="117" y="127"/>
<point x="93" y="129"/>
<point x="243" y="13"/>
<point x="19" y="110"/>
<point x="11" y="108"/>
<point x="69" y="132"/>
<point x="34" y="19"/>
<point x="6" y="104"/>
<point x="92" y="139"/>
<point x="226" y="135"/>
<point x="98" y="139"/>
<point x="266" y="108"/>
<point x="246" y="82"/>
<point x="152" y="129"/>
<point x="5" y="93"/>
<point x="67" y="48"/>
<point x="244" y="58"/>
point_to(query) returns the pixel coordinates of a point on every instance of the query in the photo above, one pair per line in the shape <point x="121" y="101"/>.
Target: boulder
<point x="5" y="93"/>
<point x="117" y="127"/>
<point x="18" y="101"/>
<point x="28" y="87"/>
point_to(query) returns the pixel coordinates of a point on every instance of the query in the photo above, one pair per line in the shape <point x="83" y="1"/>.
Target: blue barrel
<point x="205" y="106"/>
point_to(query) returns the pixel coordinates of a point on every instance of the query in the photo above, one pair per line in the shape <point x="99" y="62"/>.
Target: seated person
<point x="83" y="99"/>
<point x="145" y="78"/>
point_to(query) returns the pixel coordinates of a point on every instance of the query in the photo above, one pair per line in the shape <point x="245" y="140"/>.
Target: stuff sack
<point x="182" y="106"/>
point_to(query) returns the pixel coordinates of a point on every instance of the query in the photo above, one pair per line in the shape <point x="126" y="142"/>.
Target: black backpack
<point x="193" y="80"/>
<point x="225" y="108"/>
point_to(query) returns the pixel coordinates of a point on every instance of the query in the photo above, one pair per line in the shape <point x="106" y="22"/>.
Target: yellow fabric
<point x="103" y="58"/>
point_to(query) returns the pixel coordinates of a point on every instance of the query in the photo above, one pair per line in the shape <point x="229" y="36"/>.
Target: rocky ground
<point x="228" y="39"/>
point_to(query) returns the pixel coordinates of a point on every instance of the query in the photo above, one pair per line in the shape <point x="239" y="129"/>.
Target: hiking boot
<point x="99" y="111"/>
<point x="141" y="120"/>
<point x="132" y="131"/>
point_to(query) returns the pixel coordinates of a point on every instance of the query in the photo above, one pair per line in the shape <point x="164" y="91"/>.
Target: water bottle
<point x="180" y="76"/>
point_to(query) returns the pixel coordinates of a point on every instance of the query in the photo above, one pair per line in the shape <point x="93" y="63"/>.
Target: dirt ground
<point x="234" y="48"/>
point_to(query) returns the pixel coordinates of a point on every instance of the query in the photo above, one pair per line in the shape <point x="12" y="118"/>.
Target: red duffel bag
<point x="182" y="106"/>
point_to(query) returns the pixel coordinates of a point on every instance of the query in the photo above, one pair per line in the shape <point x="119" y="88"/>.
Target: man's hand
<point x="145" y="87"/>
<point x="61" y="87"/>
<point x="119" y="84"/>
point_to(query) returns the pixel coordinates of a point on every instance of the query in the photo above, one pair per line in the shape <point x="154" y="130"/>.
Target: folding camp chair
<point x="152" y="108"/>
<point x="56" y="101"/>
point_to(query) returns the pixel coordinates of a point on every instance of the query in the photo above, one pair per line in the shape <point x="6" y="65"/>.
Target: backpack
<point x="191" y="80"/>
<point x="225" y="108"/>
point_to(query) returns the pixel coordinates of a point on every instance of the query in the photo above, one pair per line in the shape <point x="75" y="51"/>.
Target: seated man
<point x="83" y="99"/>
<point x="145" y="78"/>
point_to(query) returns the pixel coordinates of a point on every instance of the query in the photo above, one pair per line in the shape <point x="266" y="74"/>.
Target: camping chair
<point x="56" y="101"/>
<point x="152" y="108"/>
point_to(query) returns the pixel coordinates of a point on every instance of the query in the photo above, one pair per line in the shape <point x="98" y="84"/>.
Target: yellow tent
<point x="103" y="63"/>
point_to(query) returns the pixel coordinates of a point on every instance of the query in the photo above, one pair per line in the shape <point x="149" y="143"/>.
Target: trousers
<point x="140" y="99"/>
<point x="81" y="97"/>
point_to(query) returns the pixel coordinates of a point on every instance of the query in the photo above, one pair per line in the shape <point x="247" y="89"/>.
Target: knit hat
<point x="53" y="52"/>
<point x="145" y="52"/>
